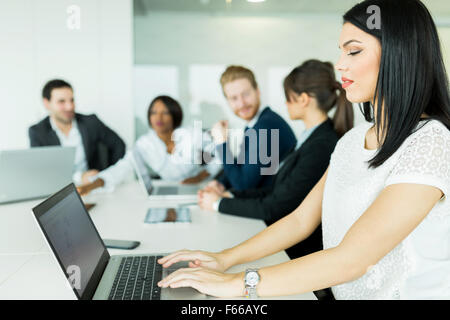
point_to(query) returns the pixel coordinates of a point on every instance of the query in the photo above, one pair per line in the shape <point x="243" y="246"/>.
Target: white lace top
<point x="419" y="267"/>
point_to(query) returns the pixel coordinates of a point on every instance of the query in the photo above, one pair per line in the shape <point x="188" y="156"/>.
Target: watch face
<point x="252" y="278"/>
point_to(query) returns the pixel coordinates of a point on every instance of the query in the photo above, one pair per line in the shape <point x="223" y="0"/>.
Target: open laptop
<point x="84" y="259"/>
<point x="34" y="173"/>
<point x="160" y="192"/>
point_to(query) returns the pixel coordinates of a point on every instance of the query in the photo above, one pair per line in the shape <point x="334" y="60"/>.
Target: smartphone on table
<point x="121" y="244"/>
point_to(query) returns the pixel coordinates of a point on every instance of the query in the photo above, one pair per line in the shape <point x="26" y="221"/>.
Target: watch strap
<point x="250" y="291"/>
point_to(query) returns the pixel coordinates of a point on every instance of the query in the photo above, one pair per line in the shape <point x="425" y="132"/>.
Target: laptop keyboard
<point x="137" y="279"/>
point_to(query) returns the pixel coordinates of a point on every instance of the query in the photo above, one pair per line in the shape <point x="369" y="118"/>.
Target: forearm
<point x="277" y="237"/>
<point x="264" y="204"/>
<point x="248" y="208"/>
<point x="87" y="188"/>
<point x="198" y="178"/>
<point x="394" y="214"/>
<point x="98" y="183"/>
<point x="313" y="272"/>
<point x="253" y="193"/>
<point x="283" y="234"/>
<point x="77" y="178"/>
<point x="115" y="174"/>
<point x="202" y="175"/>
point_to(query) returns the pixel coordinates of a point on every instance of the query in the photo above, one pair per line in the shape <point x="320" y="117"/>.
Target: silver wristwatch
<point x="251" y="280"/>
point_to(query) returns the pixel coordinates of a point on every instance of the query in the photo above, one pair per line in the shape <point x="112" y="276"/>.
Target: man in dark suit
<point x="268" y="138"/>
<point x="97" y="146"/>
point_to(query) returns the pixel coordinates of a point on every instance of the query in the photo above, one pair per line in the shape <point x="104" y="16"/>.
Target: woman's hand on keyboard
<point x="209" y="260"/>
<point x="207" y="281"/>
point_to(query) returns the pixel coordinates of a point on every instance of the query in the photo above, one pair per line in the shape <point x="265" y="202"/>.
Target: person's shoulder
<point x="187" y="136"/>
<point x="425" y="152"/>
<point x="87" y="117"/>
<point x="182" y="133"/>
<point x="91" y="122"/>
<point x="44" y="123"/>
<point x="325" y="131"/>
<point x="146" y="138"/>
<point x="269" y="119"/>
<point x="433" y="126"/>
<point x="318" y="144"/>
<point x="268" y="114"/>
<point x="429" y="132"/>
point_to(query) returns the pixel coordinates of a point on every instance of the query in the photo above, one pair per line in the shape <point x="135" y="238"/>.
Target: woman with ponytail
<point x="316" y="80"/>
<point x="384" y="200"/>
<point x="311" y="92"/>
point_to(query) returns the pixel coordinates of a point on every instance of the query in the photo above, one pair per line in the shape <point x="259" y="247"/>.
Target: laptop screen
<point x="73" y="239"/>
<point x="34" y="173"/>
<point x="142" y="171"/>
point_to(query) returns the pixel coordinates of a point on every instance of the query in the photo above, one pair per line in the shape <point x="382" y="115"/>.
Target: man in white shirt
<point x="97" y="146"/>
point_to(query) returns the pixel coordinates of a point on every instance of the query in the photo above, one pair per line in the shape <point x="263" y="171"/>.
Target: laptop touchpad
<point x="180" y="293"/>
<point x="167" y="190"/>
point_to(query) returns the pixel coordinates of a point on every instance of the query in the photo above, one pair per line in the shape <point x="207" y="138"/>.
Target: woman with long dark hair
<point x="383" y="201"/>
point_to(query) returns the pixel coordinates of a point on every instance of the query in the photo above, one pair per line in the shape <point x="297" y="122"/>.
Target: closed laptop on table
<point x="34" y="173"/>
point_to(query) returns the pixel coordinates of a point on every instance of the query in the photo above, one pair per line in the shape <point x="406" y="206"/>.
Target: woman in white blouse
<point x="174" y="153"/>
<point x="383" y="201"/>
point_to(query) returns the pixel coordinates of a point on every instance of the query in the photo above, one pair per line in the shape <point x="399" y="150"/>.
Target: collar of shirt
<point x="305" y="135"/>
<point x="182" y="138"/>
<point x="73" y="139"/>
<point x="59" y="132"/>
<point x="252" y="122"/>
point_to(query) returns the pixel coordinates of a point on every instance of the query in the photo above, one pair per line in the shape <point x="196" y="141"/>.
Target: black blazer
<point x="102" y="146"/>
<point x="300" y="172"/>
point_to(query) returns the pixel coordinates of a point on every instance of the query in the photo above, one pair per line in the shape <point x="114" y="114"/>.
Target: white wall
<point x="97" y="59"/>
<point x="181" y="54"/>
<point x="199" y="46"/>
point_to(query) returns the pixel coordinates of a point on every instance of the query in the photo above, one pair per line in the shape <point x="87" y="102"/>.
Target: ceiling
<point x="269" y="7"/>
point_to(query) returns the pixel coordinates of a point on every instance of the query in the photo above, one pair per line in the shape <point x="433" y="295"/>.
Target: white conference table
<point x="29" y="271"/>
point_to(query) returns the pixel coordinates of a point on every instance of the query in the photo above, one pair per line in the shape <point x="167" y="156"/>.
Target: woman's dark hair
<point x="318" y="80"/>
<point x="172" y="106"/>
<point x="412" y="79"/>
